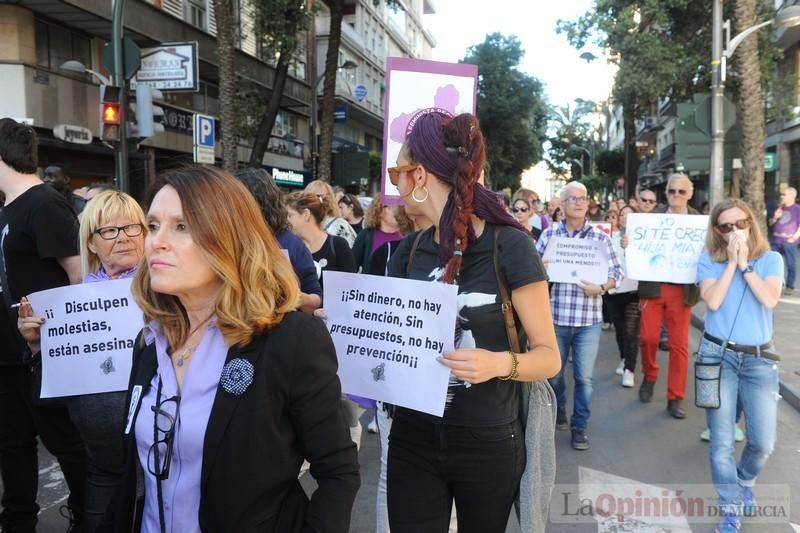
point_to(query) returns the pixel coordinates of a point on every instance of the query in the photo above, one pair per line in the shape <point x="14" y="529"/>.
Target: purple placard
<point x="415" y="87"/>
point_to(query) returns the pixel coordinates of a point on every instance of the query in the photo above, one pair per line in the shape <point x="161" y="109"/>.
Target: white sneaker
<point x="620" y="367"/>
<point x="372" y="427"/>
<point x="627" y="379"/>
<point x="606" y="325"/>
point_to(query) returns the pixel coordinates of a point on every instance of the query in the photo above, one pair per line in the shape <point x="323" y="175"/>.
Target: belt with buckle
<point x="758" y="351"/>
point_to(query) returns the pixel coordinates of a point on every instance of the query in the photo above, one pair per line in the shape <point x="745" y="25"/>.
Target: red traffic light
<point x="110" y="113"/>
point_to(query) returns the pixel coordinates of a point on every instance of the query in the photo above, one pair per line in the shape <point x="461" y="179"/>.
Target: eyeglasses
<point x="647" y="200"/>
<point x="110" y="233"/>
<point x="165" y="416"/>
<point x="520" y="210"/>
<point x="576" y="199"/>
<point x="682" y="192"/>
<point x="729" y="227"/>
<point x="394" y="172"/>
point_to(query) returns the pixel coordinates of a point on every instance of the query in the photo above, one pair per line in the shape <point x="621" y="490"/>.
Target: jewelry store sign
<point x="169" y="67"/>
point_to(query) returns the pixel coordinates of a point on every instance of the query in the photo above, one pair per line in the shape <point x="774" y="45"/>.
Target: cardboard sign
<point x="87" y="339"/>
<point x="388" y="333"/>
<point x="572" y="260"/>
<point x="665" y="247"/>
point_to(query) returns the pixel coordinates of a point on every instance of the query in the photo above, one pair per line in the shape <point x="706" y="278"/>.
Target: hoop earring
<point x="414" y="197"/>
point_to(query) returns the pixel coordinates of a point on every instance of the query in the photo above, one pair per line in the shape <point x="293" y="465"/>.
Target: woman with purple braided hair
<point x="475" y="454"/>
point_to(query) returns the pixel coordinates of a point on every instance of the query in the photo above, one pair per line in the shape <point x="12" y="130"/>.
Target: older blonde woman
<point x="333" y="223"/>
<point x="231" y="388"/>
<point x="112" y="236"/>
<point x="380" y="226"/>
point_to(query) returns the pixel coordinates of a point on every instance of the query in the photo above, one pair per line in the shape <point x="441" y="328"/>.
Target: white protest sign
<point x="87" y="338"/>
<point x="570" y="260"/>
<point x="627" y="284"/>
<point x="665" y="247"/>
<point x="388" y="333"/>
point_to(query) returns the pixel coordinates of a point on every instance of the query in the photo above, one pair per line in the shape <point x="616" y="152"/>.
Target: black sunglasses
<point x="159" y="456"/>
<point x="682" y="192"/>
<point x="647" y="200"/>
<point x="729" y="227"/>
<point x="520" y="210"/>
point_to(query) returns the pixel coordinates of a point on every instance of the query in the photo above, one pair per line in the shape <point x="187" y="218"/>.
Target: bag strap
<point x="413" y="251"/>
<point x="505" y="299"/>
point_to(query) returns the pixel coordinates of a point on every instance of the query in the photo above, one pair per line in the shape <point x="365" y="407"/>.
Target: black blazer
<point x="255" y="443"/>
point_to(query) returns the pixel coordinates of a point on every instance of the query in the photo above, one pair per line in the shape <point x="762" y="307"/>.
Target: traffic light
<point x="110" y="113"/>
<point x="146" y="119"/>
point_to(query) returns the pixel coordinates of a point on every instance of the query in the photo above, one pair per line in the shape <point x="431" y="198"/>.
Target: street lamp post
<point x="347" y="65"/>
<point x="787" y="17"/>
<point x="587" y="152"/>
<point x="79" y="68"/>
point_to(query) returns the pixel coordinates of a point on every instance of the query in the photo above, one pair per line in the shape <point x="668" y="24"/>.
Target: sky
<point x="459" y="24"/>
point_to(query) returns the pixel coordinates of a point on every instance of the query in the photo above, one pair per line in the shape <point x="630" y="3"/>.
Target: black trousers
<point x="431" y="465"/>
<point x="623" y="309"/>
<point x="21" y="421"/>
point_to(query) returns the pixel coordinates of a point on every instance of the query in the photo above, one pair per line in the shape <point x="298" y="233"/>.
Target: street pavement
<point x="634" y="447"/>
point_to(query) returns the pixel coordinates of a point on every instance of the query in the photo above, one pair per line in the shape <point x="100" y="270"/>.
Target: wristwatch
<point x="748" y="269"/>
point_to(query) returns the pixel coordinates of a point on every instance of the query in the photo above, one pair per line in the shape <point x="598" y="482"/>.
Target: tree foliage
<point x="511" y="109"/>
<point x="570" y="131"/>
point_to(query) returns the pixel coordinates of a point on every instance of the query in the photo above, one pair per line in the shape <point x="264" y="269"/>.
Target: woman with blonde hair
<point x="231" y="388"/>
<point x="740" y="282"/>
<point x="333" y="223"/>
<point x="111" y="247"/>
<point x="380" y="226"/>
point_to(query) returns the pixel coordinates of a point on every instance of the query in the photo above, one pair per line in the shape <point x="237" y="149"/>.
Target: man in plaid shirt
<point x="577" y="313"/>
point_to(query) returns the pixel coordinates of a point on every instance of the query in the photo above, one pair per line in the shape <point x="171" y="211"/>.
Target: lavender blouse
<point x="181" y="490"/>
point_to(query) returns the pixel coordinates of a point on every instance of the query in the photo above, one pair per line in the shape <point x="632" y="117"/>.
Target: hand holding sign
<point x="476" y="365"/>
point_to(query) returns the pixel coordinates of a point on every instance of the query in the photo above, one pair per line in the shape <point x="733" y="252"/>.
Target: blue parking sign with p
<point x="204" y="131"/>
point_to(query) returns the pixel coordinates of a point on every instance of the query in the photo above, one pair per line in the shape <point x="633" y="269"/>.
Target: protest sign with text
<point x="87" y="338"/>
<point x="415" y="87"/>
<point x="665" y="247"/>
<point x="388" y="333"/>
<point x="572" y="260"/>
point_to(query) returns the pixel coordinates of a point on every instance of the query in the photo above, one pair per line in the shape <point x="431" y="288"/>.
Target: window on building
<point x="56" y="45"/>
<point x="197" y="13"/>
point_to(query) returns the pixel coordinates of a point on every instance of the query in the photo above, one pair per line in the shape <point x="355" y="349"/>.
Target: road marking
<point x="595" y="483"/>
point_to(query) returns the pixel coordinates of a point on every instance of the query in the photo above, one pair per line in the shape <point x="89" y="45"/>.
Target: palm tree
<point x="329" y="89"/>
<point x="751" y="110"/>
<point x="226" y="52"/>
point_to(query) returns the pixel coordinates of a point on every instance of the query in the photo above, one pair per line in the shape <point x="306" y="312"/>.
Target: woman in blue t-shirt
<point x="740" y="281"/>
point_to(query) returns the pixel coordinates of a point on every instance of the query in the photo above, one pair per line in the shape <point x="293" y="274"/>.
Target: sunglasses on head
<point x="394" y="172"/>
<point x="730" y="226"/>
<point x="682" y="192"/>
<point x="520" y="210"/>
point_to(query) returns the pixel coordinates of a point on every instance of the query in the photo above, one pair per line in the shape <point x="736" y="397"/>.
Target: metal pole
<point x="716" y="171"/>
<point x="118" y="78"/>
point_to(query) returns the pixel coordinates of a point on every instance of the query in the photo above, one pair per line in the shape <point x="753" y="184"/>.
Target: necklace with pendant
<point x="187" y="352"/>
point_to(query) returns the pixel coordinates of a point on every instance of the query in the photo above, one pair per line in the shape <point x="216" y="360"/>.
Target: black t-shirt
<point x="480" y="319"/>
<point x="334" y="254"/>
<point x="36" y="229"/>
<point x="358" y="227"/>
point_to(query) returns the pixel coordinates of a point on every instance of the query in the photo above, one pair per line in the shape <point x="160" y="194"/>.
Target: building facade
<point x="37" y="37"/>
<point x="372" y="30"/>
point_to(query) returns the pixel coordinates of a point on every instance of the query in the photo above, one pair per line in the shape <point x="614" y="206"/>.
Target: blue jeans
<point x="583" y="343"/>
<point x="789" y="253"/>
<point x="754" y="382"/>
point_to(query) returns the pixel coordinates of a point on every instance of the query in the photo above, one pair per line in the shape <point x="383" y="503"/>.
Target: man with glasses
<point x="647" y="201"/>
<point x="785" y="223"/>
<point x="577" y="313"/>
<point x="672" y="303"/>
<point x="38" y="250"/>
